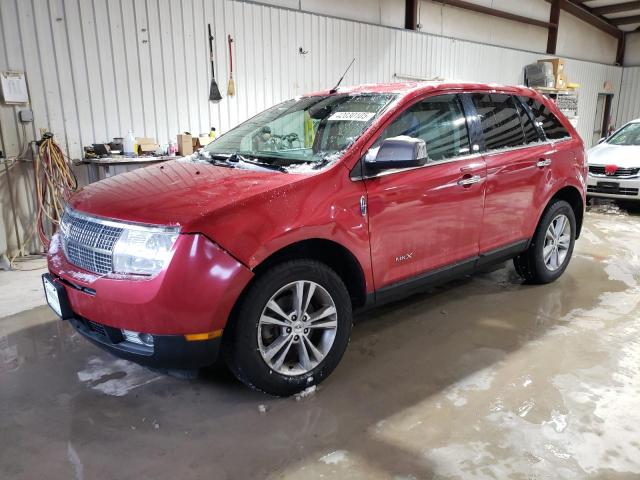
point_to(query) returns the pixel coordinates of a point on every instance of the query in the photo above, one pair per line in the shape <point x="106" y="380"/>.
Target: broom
<point x="214" y="91"/>
<point x="231" y="87"/>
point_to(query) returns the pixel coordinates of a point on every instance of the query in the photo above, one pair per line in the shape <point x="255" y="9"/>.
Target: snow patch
<point x="334" y="458"/>
<point x="74" y="458"/>
<point x="54" y="245"/>
<point x="558" y="421"/>
<point x="115" y="377"/>
<point x="306" y="392"/>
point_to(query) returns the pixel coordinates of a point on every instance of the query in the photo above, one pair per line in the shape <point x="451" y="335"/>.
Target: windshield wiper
<point x="214" y="159"/>
<point x="237" y="158"/>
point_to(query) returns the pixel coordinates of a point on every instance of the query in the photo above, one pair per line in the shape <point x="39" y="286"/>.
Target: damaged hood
<point x="177" y="193"/>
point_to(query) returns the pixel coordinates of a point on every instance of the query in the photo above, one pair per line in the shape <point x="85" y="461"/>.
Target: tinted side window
<point x="499" y="120"/>
<point x="439" y="121"/>
<point x="530" y="131"/>
<point x="552" y="127"/>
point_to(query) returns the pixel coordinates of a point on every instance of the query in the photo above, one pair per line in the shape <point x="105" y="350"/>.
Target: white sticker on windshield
<point x="352" y="116"/>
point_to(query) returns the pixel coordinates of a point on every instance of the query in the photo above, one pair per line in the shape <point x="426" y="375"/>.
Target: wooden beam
<point x="411" y="15"/>
<point x="554" y="18"/>
<point x="626" y="20"/>
<point x="496" y="13"/>
<point x="617" y="8"/>
<point x="622" y="43"/>
<point x="585" y="15"/>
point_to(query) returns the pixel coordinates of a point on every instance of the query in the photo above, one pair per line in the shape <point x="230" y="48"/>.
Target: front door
<point x="424" y="218"/>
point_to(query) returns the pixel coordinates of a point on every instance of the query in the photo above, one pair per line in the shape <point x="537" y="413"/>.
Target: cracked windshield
<point x="301" y="134"/>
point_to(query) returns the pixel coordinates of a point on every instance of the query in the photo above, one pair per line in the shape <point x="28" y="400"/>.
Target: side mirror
<point x="397" y="152"/>
<point x="603" y="139"/>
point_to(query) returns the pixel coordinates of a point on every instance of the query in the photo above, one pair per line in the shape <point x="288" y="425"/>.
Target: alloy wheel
<point x="297" y="328"/>
<point x="556" y="242"/>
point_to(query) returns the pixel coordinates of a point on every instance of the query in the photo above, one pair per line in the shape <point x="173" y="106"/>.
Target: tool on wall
<point x="214" y="91"/>
<point x="231" y="88"/>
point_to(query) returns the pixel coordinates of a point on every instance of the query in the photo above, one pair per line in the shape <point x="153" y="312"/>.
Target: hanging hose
<point x="55" y="181"/>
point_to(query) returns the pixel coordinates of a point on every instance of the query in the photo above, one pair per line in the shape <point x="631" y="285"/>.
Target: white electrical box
<point x="14" y="87"/>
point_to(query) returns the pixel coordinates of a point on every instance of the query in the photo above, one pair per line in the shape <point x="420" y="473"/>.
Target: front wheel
<point x="551" y="247"/>
<point x="290" y="329"/>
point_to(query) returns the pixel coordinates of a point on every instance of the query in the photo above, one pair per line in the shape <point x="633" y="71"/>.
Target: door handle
<point x="464" y="182"/>
<point x="543" y="162"/>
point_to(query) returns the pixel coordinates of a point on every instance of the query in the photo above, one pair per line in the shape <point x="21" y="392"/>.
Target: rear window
<point x="499" y="119"/>
<point x="552" y="127"/>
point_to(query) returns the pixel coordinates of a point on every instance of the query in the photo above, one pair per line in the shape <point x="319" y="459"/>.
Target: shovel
<point x="214" y="91"/>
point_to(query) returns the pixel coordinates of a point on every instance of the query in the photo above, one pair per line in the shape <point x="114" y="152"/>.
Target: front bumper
<point x="194" y="294"/>
<point x="613" y="187"/>
<point x="168" y="351"/>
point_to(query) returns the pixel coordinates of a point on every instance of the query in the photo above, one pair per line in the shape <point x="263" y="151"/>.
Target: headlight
<point x="143" y="251"/>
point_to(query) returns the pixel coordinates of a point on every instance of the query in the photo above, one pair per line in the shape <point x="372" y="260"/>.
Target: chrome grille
<point x="88" y="243"/>
<point x="620" y="172"/>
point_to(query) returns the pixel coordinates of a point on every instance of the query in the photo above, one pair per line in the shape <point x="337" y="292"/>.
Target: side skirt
<point x="444" y="274"/>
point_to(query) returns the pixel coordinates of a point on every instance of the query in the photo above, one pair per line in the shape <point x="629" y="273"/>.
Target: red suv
<point x="261" y="246"/>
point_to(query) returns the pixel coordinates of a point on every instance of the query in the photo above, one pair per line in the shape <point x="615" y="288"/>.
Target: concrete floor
<point x="482" y="378"/>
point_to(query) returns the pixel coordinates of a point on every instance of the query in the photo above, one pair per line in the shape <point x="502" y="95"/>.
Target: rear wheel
<point x="291" y="328"/>
<point x="551" y="247"/>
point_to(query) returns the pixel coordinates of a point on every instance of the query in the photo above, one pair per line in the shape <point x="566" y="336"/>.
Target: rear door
<point x="563" y="159"/>
<point x="423" y="218"/>
<point x="515" y="153"/>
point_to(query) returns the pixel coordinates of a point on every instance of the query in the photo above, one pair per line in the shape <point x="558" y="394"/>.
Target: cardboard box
<point x="148" y="147"/>
<point x="561" y="81"/>
<point x="185" y="144"/>
<point x="557" y="63"/>
<point x="204" y="140"/>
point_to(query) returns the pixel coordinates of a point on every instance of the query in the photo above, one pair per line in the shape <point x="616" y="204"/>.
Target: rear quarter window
<point x="553" y="129"/>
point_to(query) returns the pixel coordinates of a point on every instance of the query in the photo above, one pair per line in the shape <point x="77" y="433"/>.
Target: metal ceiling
<point x="624" y="14"/>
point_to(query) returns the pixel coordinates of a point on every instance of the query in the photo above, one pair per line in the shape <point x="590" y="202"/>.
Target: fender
<point x="579" y="189"/>
<point x="326" y="208"/>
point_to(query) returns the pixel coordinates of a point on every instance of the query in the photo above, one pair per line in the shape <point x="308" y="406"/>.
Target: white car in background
<point x="614" y="165"/>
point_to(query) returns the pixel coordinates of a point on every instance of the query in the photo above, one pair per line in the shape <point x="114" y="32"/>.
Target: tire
<point x="532" y="264"/>
<point x="253" y="339"/>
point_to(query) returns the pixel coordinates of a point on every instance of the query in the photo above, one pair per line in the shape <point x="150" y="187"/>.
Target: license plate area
<point x="56" y="296"/>
<point x="609" y="187"/>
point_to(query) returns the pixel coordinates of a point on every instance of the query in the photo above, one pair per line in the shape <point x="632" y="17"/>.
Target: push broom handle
<point x="230" y="56"/>
<point x="211" y="49"/>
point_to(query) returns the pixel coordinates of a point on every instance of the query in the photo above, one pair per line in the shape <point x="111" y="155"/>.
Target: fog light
<point x="139" y="338"/>
<point x="146" y="338"/>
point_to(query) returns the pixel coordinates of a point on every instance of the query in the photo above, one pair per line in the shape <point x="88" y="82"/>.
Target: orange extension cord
<point x="55" y="181"/>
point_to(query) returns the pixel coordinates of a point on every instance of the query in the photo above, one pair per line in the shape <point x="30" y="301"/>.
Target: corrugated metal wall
<point x="98" y="68"/>
<point x="629" y="105"/>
